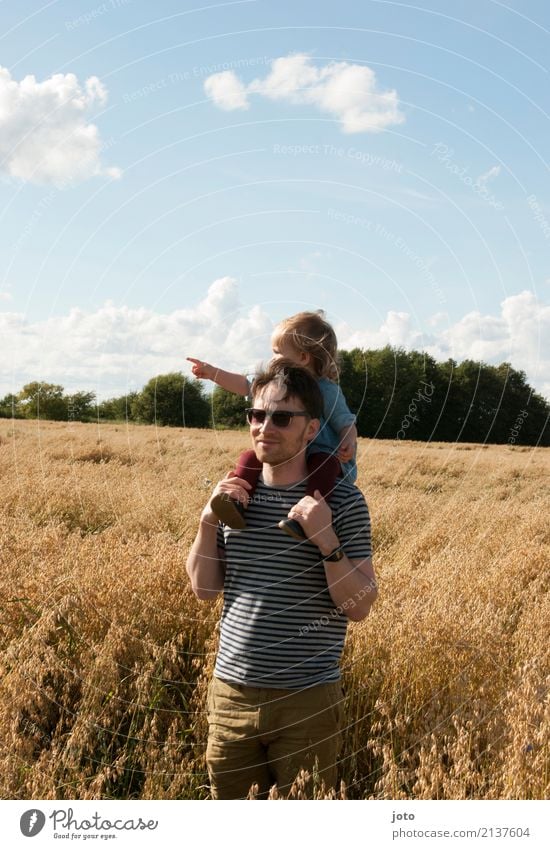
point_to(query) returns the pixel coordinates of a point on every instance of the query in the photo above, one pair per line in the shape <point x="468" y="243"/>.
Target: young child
<point x="309" y="341"/>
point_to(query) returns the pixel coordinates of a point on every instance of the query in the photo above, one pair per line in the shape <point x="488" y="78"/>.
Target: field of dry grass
<point x="106" y="653"/>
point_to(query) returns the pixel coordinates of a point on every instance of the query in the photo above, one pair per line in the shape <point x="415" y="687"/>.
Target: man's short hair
<point x="294" y="382"/>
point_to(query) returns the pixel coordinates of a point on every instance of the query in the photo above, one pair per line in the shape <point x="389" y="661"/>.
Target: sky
<point x="177" y="177"/>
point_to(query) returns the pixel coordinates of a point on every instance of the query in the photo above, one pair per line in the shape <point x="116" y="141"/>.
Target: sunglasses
<point x="280" y="418"/>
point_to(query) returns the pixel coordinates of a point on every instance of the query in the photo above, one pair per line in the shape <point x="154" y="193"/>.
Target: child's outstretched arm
<point x="348" y="443"/>
<point x="228" y="380"/>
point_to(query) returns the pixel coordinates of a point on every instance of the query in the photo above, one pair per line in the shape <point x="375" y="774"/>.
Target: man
<point x="275" y="703"/>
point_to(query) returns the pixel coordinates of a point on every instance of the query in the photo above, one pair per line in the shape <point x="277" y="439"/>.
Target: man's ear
<point x="313" y="429"/>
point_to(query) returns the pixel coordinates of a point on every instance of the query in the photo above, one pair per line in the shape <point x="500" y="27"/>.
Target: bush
<point x="172" y="399"/>
<point x="228" y="408"/>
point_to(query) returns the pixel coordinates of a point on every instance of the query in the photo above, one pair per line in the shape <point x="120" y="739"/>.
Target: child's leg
<point x="323" y="471"/>
<point x="249" y="467"/>
<point x="229" y="511"/>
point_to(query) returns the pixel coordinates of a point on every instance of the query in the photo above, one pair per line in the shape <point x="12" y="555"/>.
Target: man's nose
<point x="267" y="424"/>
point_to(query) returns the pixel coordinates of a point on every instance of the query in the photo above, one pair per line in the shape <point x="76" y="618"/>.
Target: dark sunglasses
<point x="280" y="418"/>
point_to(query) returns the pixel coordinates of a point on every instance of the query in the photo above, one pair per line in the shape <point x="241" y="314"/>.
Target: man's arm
<point x="205" y="563"/>
<point x="351" y="583"/>
<point x="231" y="381"/>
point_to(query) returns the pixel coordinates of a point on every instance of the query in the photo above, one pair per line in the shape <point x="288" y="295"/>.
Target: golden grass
<point x="106" y="653"/>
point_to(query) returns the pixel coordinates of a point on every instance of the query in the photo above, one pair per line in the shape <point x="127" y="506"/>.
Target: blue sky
<point x="177" y="177"/>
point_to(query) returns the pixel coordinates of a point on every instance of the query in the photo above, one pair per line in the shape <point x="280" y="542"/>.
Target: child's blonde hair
<point x="310" y="333"/>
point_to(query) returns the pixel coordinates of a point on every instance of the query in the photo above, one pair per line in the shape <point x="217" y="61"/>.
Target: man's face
<point x="274" y="445"/>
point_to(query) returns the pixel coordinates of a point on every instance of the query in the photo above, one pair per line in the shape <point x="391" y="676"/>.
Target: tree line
<point x="169" y="399"/>
<point x="395" y="394"/>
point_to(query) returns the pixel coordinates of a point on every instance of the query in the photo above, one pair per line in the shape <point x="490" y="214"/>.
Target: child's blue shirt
<point x="337" y="415"/>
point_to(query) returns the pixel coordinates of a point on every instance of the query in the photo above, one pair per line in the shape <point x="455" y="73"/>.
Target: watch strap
<point x="335" y="555"/>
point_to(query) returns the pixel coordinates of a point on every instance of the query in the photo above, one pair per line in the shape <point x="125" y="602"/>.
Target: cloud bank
<point x="520" y="335"/>
<point x="117" y="348"/>
<point x="45" y="135"/>
<point x="346" y="91"/>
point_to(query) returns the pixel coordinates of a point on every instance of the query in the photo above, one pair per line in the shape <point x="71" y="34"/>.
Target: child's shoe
<point x="292" y="528"/>
<point x="229" y="511"/>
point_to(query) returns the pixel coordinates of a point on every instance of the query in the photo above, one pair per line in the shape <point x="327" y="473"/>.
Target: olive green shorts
<point x="264" y="736"/>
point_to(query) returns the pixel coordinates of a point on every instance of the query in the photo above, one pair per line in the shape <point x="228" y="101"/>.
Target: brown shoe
<point x="229" y="511"/>
<point x="292" y="528"/>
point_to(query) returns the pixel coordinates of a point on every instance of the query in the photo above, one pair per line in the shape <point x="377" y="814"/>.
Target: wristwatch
<point x="335" y="555"/>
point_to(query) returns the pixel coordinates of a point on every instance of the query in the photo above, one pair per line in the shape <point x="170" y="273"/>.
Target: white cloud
<point x="45" y="136"/>
<point x="520" y="335"/>
<point x="116" y="347"/>
<point x="227" y="91"/>
<point x="349" y="92"/>
<point x="5" y="296"/>
<point x="396" y="329"/>
<point x="437" y="318"/>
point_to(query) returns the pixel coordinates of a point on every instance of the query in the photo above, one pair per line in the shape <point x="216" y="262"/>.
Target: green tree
<point x="536" y="425"/>
<point x="117" y="409"/>
<point x="81" y="406"/>
<point x="228" y="408"/>
<point x="450" y="404"/>
<point x="392" y="391"/>
<point x="390" y="388"/>
<point x="172" y="399"/>
<point x="354" y="385"/>
<point x="9" y="407"/>
<point x="44" y="401"/>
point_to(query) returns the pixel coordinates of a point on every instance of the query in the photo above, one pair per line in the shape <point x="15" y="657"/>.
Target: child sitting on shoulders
<point x="309" y="341"/>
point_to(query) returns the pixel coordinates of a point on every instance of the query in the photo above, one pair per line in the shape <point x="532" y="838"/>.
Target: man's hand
<point x="203" y="370"/>
<point x="315" y="517"/>
<point x="234" y="487"/>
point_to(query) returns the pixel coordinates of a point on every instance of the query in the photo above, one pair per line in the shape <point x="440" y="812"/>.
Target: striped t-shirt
<point x="279" y="625"/>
